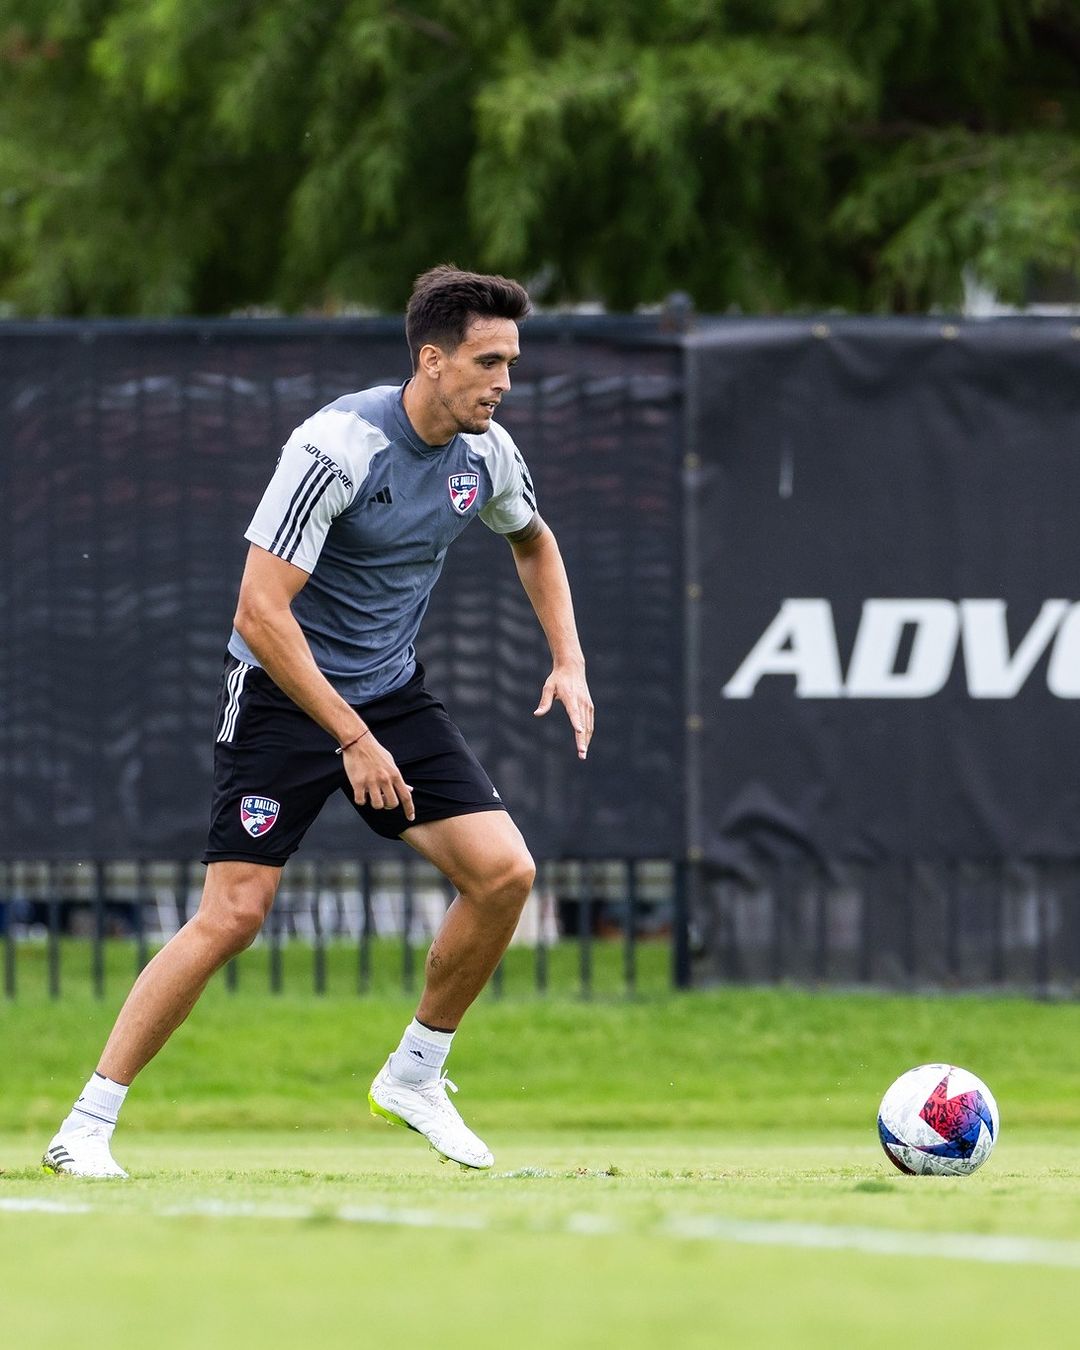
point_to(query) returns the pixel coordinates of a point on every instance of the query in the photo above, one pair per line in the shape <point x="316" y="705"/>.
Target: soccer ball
<point x="938" y="1120"/>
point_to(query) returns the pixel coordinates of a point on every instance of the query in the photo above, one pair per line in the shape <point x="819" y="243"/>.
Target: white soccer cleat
<point x="81" y="1151"/>
<point x="425" y="1108"/>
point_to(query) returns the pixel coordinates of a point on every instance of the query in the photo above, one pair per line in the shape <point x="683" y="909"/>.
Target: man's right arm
<point x="265" y="621"/>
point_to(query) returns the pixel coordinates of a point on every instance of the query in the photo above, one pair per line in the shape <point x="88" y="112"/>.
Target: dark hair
<point x="445" y="301"/>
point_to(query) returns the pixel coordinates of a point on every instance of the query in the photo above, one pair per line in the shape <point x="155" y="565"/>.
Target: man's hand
<point x="568" y="685"/>
<point x="376" y="780"/>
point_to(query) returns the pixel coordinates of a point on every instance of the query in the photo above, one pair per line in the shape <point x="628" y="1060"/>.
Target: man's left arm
<point x="540" y="567"/>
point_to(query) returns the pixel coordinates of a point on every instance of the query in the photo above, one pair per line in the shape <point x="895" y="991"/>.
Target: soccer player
<point x="322" y="691"/>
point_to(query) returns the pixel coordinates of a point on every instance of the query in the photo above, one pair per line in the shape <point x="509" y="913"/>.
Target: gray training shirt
<point x="366" y="507"/>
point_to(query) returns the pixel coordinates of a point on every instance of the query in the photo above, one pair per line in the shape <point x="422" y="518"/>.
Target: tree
<point x="167" y="156"/>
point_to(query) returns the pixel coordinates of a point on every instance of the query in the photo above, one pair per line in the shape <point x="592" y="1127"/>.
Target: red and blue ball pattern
<point x="938" y="1120"/>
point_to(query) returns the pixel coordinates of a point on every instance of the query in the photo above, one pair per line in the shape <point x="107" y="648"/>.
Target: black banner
<point x="843" y="556"/>
<point x="886" y="643"/>
<point x="132" y="459"/>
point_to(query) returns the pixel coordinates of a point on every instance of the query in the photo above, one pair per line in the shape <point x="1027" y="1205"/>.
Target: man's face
<point x="474" y="377"/>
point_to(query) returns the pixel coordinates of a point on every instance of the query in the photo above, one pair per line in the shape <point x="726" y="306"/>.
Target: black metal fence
<point x="901" y="925"/>
<point x="593" y="927"/>
<point x="590" y="927"/>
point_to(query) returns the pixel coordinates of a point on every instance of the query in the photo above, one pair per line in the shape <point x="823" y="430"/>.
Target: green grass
<point x="391" y="968"/>
<point x="616" y="1124"/>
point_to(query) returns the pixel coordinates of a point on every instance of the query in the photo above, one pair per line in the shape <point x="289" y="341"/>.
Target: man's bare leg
<point x="236" y="899"/>
<point x="485" y="857"/>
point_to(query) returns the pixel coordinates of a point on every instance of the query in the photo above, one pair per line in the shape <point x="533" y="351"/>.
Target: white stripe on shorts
<point x="235" y="685"/>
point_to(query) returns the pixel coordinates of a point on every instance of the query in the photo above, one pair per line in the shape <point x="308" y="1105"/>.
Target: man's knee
<point x="231" y="928"/>
<point x="232" y="915"/>
<point x="509" y="879"/>
<point x="524" y="873"/>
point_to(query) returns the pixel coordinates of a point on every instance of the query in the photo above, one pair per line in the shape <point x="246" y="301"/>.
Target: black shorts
<point x="274" y="767"/>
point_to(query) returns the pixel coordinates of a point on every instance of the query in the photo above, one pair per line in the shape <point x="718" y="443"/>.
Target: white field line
<point x="988" y="1249"/>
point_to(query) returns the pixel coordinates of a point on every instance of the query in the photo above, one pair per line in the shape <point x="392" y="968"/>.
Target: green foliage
<point x="164" y="156"/>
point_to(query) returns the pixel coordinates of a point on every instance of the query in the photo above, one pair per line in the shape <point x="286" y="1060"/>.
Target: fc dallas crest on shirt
<point x="258" y="814"/>
<point x="463" y="490"/>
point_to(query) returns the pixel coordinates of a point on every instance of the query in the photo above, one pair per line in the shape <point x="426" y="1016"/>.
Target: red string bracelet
<point x="342" y="748"/>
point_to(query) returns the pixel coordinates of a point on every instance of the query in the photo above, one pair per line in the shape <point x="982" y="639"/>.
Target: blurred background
<point x="800" y="398"/>
<point x="762" y="156"/>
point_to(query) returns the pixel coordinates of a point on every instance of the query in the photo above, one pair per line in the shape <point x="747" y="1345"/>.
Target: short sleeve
<point x="313" y="483"/>
<point x="513" y="499"/>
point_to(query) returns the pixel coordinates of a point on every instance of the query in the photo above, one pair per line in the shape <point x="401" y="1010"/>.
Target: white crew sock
<point x="99" y="1103"/>
<point x="421" y="1055"/>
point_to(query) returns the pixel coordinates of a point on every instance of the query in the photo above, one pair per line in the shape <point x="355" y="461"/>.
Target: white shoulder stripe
<point x="305" y="500"/>
<point x="317" y="476"/>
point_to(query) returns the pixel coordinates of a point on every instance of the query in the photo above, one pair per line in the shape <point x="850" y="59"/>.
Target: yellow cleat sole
<point x="383" y="1114"/>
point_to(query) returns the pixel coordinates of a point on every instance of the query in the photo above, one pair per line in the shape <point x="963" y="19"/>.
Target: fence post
<point x="688" y="883"/>
<point x="585" y="921"/>
<point x="1044" y="899"/>
<point x="689" y="869"/>
<point x="781" y="911"/>
<point x="821" y="924"/>
<point x="319" y="954"/>
<point x="276" y="970"/>
<point x="408" y="961"/>
<point x="367" y="923"/>
<point x="142" y="885"/>
<point x="97" y="942"/>
<point x="10" y="983"/>
<point x="630" y="929"/>
<point x="53" y="947"/>
<point x="541" y="954"/>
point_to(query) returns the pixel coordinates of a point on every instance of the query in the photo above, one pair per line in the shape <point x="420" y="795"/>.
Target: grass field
<point x="690" y="1171"/>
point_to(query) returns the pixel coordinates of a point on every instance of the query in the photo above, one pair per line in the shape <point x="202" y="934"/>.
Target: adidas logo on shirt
<point x="383" y="496"/>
